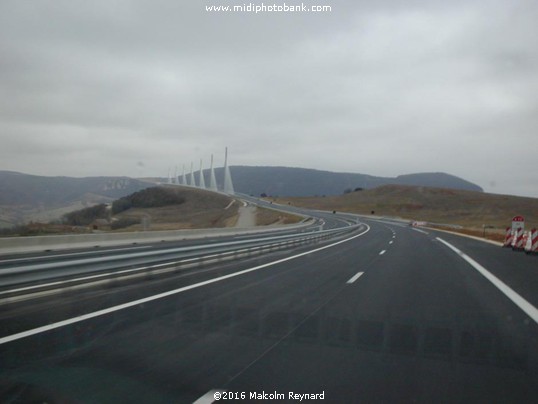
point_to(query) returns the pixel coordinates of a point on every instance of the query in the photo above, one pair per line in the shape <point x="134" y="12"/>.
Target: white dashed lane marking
<point x="355" y="277"/>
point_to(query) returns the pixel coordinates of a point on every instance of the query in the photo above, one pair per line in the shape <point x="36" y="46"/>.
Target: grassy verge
<point x="489" y="234"/>
<point x="265" y="217"/>
<point x="466" y="212"/>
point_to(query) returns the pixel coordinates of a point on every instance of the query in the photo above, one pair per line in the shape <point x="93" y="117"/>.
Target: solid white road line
<point x="112" y="309"/>
<point x="355" y="277"/>
<point x="391" y="223"/>
<point x="420" y="231"/>
<point x="524" y="305"/>
<point x="382" y="252"/>
<point x="209" y="397"/>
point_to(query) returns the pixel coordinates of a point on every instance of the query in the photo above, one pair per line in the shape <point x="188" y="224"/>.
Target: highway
<point x="381" y="313"/>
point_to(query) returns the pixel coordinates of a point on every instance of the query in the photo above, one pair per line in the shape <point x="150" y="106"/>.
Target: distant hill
<point x="286" y="181"/>
<point x="34" y="190"/>
<point x="26" y="197"/>
<point x="160" y="208"/>
<point x="171" y="207"/>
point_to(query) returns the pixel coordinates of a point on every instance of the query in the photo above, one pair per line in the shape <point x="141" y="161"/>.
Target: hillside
<point x="438" y="205"/>
<point x="186" y="208"/>
<point x="154" y="208"/>
<point x="286" y="181"/>
<point x="163" y="207"/>
<point x="34" y="190"/>
<point x="173" y="207"/>
<point x="25" y="198"/>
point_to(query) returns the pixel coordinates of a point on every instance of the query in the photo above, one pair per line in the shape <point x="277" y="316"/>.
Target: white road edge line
<point x="112" y="309"/>
<point x="382" y="252"/>
<point x="524" y="305"/>
<point x="208" y="397"/>
<point x="355" y="277"/>
<point x="420" y="231"/>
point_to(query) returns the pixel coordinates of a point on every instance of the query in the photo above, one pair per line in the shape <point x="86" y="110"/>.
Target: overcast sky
<point x="376" y="87"/>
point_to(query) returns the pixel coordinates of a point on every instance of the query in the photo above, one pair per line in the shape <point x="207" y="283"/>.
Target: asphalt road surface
<point x="386" y="314"/>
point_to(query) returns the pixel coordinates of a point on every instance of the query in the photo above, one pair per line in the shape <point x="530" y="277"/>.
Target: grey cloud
<point x="382" y="88"/>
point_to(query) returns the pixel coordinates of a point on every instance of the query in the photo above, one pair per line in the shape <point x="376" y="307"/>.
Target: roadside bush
<point x="120" y="205"/>
<point x="147" y="198"/>
<point x="84" y="217"/>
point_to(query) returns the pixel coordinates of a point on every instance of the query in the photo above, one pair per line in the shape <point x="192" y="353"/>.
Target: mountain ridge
<point x="294" y="181"/>
<point x="28" y="197"/>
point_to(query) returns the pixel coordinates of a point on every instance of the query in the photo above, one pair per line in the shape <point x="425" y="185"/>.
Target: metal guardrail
<point x="204" y="256"/>
<point x="9" y="245"/>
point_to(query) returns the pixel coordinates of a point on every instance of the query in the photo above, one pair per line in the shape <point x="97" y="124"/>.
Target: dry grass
<point x="468" y="209"/>
<point x="490" y="234"/>
<point x="265" y="217"/>
<point x="201" y="210"/>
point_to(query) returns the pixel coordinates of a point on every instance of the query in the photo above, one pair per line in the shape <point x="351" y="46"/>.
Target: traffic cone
<point x="532" y="242"/>
<point x="517" y="244"/>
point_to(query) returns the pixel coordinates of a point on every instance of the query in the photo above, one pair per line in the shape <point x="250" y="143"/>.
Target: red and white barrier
<point x="517" y="242"/>
<point x="532" y="242"/>
<point x="508" y="237"/>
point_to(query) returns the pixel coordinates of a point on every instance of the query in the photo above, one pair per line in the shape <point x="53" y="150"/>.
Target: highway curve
<point x="386" y="313"/>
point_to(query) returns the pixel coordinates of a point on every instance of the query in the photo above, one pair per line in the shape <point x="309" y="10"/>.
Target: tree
<point x="147" y="198"/>
<point x="84" y="217"/>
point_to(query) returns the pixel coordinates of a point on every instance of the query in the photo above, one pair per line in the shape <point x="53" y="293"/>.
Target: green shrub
<point x="84" y="217"/>
<point x="148" y="198"/>
<point x="120" y="205"/>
